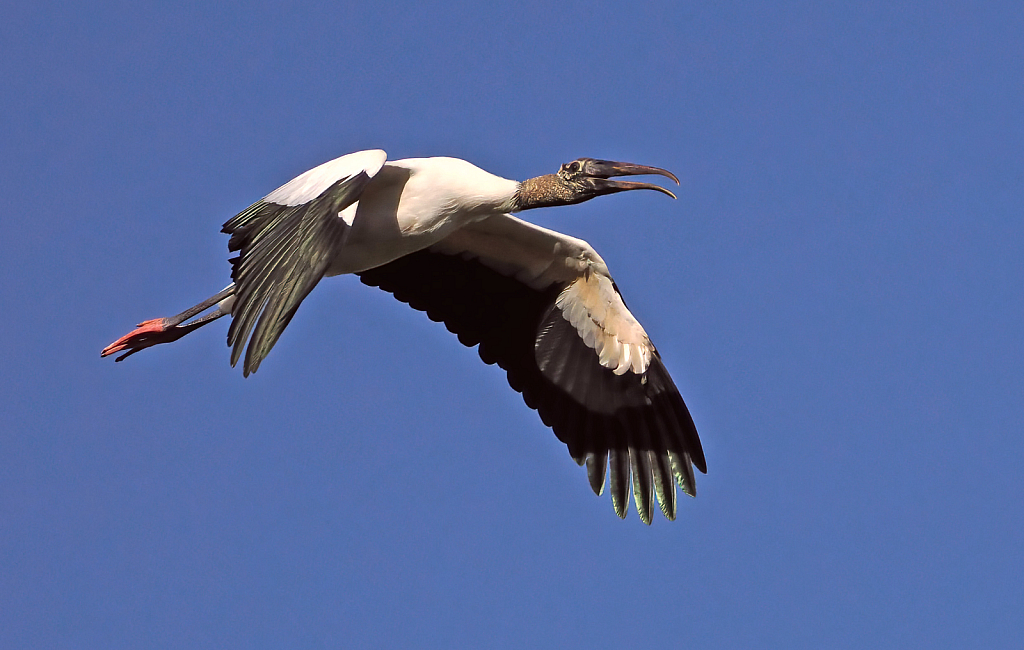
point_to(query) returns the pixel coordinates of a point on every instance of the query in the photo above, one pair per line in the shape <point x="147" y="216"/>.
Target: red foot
<point x="148" y="333"/>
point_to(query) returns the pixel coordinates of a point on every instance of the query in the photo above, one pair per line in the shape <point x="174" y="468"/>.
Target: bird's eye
<point x="574" y="166"/>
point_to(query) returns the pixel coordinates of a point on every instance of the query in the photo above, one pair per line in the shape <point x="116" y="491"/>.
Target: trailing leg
<point x="165" y="330"/>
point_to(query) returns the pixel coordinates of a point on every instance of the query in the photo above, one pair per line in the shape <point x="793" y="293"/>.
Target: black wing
<point x="284" y="250"/>
<point x="636" y="425"/>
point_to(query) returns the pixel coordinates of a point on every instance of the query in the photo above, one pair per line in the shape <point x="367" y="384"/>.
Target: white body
<point x="408" y="205"/>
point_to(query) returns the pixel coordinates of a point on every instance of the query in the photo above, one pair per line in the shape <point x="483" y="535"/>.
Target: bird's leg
<point x="165" y="330"/>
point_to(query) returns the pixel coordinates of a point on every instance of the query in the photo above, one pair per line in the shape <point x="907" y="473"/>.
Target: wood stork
<point x="438" y="233"/>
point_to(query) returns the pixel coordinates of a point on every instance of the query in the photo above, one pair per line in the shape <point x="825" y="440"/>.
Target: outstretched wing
<point x="285" y="244"/>
<point x="542" y="306"/>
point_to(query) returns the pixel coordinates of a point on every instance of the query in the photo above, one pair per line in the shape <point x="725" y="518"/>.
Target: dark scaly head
<point x="582" y="180"/>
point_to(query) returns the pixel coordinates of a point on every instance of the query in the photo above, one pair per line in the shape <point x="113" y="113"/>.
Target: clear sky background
<point x="837" y="291"/>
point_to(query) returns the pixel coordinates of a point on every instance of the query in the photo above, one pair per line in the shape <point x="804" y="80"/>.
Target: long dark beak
<point x="605" y="169"/>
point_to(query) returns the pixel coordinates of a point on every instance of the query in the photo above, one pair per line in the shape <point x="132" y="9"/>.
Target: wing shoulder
<point x="309" y="185"/>
<point x="534" y="255"/>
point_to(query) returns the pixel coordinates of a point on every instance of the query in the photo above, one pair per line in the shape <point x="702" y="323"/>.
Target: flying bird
<point x="438" y="234"/>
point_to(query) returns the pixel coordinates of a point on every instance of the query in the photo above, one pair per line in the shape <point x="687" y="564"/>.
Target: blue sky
<point x="837" y="291"/>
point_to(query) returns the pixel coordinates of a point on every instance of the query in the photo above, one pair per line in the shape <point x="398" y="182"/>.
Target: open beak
<point x="602" y="170"/>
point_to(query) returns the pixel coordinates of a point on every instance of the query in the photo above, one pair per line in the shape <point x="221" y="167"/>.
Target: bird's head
<point x="582" y="180"/>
